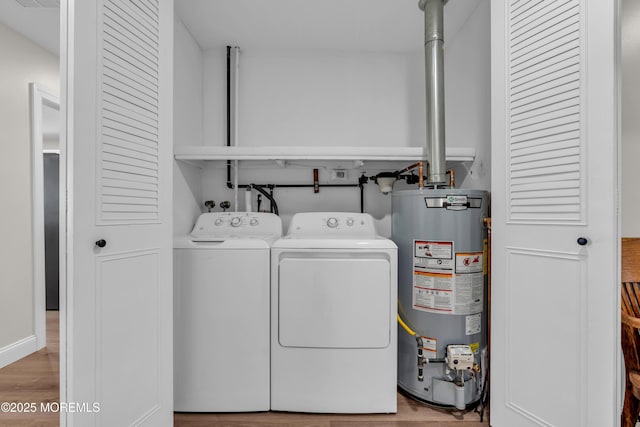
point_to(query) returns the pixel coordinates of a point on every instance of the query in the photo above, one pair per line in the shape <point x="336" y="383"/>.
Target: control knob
<point x="218" y="221"/>
<point x="236" y="221"/>
<point x="332" y="222"/>
<point x="254" y="221"/>
<point x="349" y="222"/>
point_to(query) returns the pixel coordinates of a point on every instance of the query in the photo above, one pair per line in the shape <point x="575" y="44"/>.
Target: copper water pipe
<point x="408" y="168"/>
<point x="452" y="178"/>
<point x="420" y="173"/>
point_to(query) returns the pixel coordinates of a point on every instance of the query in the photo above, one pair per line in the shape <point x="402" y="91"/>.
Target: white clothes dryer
<point x="221" y="313"/>
<point x="333" y="316"/>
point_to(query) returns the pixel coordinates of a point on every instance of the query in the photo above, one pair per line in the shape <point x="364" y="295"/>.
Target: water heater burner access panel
<point x="334" y="223"/>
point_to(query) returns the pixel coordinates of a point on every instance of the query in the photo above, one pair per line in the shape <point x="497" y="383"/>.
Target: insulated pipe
<point x="434" y="84"/>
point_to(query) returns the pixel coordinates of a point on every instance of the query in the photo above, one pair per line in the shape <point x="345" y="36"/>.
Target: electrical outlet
<point x="339" y="175"/>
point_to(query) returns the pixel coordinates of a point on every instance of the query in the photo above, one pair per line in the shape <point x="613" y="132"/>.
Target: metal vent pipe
<point x="434" y="82"/>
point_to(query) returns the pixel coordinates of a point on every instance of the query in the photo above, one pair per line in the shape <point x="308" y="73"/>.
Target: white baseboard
<point x="17" y="350"/>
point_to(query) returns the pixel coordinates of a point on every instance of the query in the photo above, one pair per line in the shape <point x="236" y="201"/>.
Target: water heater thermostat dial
<point x="332" y="222"/>
<point x="236" y="221"/>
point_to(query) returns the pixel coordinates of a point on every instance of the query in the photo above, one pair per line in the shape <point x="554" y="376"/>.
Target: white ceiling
<point x="362" y="25"/>
<point x="39" y="24"/>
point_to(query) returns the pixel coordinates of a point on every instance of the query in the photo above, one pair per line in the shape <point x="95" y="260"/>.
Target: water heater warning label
<point x="469" y="262"/>
<point x="473" y="325"/>
<point x="433" y="255"/>
<point x="433" y="278"/>
<point x="469" y="280"/>
<point x="430" y="347"/>
<point x="433" y="291"/>
<point x="445" y="281"/>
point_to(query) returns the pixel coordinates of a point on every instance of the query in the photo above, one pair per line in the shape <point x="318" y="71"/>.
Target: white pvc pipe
<point x="235" y="79"/>
<point x="247" y="200"/>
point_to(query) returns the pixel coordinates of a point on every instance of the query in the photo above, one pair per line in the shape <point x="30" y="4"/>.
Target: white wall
<point x="187" y="127"/>
<point x="343" y="98"/>
<point x="22" y="63"/>
<point x="468" y="94"/>
<point x="313" y="98"/>
<point x="630" y="115"/>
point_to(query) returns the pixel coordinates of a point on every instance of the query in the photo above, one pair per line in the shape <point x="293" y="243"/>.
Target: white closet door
<point x="554" y="181"/>
<point x="117" y="59"/>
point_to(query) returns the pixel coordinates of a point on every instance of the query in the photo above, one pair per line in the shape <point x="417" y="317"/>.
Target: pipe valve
<point x="209" y="204"/>
<point x="421" y="359"/>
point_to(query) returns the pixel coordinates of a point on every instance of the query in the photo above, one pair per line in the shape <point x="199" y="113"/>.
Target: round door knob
<point x="582" y="241"/>
<point x="101" y="243"/>
<point x="236" y="221"/>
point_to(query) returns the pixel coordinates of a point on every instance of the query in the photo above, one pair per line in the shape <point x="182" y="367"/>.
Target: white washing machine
<point x="333" y="316"/>
<point x="221" y="313"/>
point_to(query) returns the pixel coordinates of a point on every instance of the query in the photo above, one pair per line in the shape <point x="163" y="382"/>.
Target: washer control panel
<point x="332" y="223"/>
<point x="237" y="223"/>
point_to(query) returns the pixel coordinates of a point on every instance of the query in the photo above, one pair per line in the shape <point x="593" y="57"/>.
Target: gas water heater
<point x="442" y="294"/>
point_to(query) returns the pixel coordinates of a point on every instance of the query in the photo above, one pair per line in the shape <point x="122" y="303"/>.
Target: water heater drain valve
<point x="460" y="357"/>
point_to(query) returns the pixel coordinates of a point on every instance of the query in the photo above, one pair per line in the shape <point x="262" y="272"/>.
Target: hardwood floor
<point x="410" y="414"/>
<point x="36" y="379"/>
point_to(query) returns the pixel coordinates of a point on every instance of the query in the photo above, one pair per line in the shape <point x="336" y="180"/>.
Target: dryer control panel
<point x="237" y="224"/>
<point x="332" y="223"/>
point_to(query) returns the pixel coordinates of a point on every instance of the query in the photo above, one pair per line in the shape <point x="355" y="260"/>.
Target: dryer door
<point x="339" y="301"/>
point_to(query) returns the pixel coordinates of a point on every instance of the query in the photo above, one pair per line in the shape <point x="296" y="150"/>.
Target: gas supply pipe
<point x="421" y="359"/>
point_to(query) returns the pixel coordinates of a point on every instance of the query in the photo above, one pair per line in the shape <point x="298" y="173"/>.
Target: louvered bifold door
<point x="119" y="295"/>
<point x="128" y="96"/>
<point x="554" y="213"/>
<point x="545" y="111"/>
